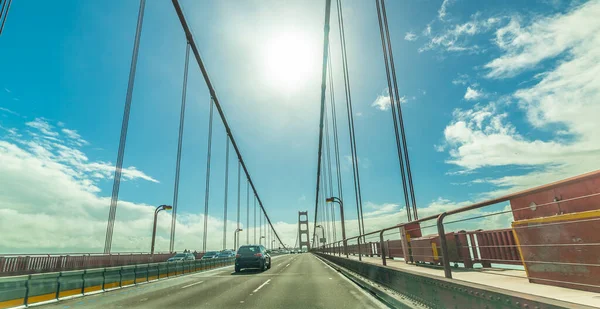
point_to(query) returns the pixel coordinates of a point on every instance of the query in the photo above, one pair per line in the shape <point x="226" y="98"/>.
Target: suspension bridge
<point x="546" y="258"/>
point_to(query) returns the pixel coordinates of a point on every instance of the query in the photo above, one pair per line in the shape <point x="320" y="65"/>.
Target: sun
<point x="290" y="61"/>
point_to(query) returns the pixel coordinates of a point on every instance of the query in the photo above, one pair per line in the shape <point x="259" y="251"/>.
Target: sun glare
<point x="290" y="61"/>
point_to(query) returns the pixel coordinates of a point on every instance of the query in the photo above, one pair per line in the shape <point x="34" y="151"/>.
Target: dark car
<point x="252" y="256"/>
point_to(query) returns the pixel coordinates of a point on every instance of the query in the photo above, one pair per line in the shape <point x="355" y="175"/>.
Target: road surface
<point x="294" y="281"/>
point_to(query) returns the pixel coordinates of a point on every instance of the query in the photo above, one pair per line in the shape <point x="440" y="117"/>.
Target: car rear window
<point x="254" y="249"/>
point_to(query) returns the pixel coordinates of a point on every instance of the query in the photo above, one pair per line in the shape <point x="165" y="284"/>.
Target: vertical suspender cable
<point x="179" y="145"/>
<point x="329" y="178"/>
<point x="323" y="89"/>
<point x="400" y="121"/>
<point x="4" y="13"/>
<point x="247" y="227"/>
<point x="119" y="166"/>
<point x="335" y="136"/>
<point x="207" y="190"/>
<point x="226" y="193"/>
<point x="254" y="220"/>
<point x="213" y="94"/>
<point x="393" y="102"/>
<point x="350" y="113"/>
<point x="238" y="204"/>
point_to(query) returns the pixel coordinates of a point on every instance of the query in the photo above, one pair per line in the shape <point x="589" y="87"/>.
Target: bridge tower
<point x="303" y="236"/>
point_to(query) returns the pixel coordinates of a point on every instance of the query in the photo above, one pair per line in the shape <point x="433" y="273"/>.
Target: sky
<point x="497" y="97"/>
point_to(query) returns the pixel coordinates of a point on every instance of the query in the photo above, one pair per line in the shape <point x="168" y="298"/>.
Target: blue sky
<point x="499" y="96"/>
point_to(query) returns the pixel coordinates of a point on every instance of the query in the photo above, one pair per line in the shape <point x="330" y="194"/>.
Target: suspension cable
<point x="323" y="89"/>
<point x="247" y="227"/>
<point x="350" y="113"/>
<point x="401" y="122"/>
<point x="254" y="220"/>
<point x="238" y="200"/>
<point x="120" y="153"/>
<point x="4" y="13"/>
<point x="207" y="190"/>
<point x="226" y="189"/>
<point x="179" y="145"/>
<point x="213" y="94"/>
<point x="393" y="110"/>
<point x="330" y="227"/>
<point x="335" y="138"/>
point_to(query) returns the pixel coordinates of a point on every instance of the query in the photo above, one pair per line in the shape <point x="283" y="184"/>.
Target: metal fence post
<point x="359" y="253"/>
<point x="382" y="248"/>
<point x="442" y="235"/>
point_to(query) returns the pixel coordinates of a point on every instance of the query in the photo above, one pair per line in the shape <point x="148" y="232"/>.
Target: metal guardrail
<point x="498" y="246"/>
<point x="37" y="288"/>
<point x="11" y="265"/>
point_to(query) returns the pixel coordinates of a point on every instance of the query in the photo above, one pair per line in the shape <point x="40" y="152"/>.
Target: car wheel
<point x="263" y="267"/>
<point x="237" y="269"/>
<point x="269" y="267"/>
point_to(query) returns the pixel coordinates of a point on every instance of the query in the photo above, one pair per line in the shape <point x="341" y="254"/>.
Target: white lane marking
<point x="330" y="278"/>
<point x="287" y="265"/>
<point x="260" y="287"/>
<point x="189" y="285"/>
<point x="241" y="301"/>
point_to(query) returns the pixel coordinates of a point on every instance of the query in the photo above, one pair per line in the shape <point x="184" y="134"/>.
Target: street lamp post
<point x="236" y="235"/>
<point x="260" y="240"/>
<point x="272" y="244"/>
<point x="322" y="233"/>
<point x="156" y="211"/>
<point x="339" y="201"/>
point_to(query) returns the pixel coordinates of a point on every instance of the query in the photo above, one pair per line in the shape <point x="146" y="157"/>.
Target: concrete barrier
<point x="42" y="288"/>
<point x="13" y="291"/>
<point x="70" y="283"/>
<point x="153" y="271"/>
<point x="127" y="275"/>
<point x="112" y="278"/>
<point x="163" y="270"/>
<point x="93" y="280"/>
<point x="199" y="265"/>
<point x="141" y="273"/>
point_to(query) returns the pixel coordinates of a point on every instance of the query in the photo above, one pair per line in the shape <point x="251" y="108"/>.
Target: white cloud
<point x="473" y="94"/>
<point x="6" y="89"/>
<point x="74" y="136"/>
<point x="3" y="109"/>
<point x="358" y="114"/>
<point x="442" y="11"/>
<point x="43" y="126"/>
<point x="378" y="210"/>
<point x="462" y="79"/>
<point x="382" y="102"/>
<point x="545" y="38"/>
<point x="427" y="30"/>
<point x="410" y="36"/>
<point x="565" y="101"/>
<point x="457" y="38"/>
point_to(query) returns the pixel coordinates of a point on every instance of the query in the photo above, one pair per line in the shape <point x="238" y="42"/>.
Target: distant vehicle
<point x="252" y="256"/>
<point x="182" y="257"/>
<point x="225" y="254"/>
<point x="210" y="255"/>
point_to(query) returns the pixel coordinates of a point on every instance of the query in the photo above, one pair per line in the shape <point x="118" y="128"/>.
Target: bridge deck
<point x="513" y="280"/>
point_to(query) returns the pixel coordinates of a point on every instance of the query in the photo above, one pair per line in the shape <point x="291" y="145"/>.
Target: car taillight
<point x="238" y="255"/>
<point x="258" y="254"/>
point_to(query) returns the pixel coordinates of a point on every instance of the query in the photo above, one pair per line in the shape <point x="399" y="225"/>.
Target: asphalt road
<point x="294" y="281"/>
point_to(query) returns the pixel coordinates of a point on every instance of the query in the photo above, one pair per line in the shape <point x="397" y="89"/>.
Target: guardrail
<point x="11" y="265"/>
<point x="553" y="233"/>
<point x="37" y="288"/>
